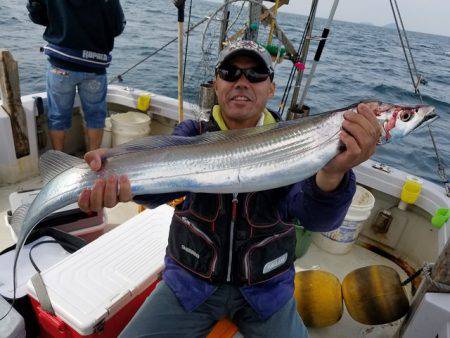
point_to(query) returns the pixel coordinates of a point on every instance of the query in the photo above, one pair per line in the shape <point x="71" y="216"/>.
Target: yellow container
<point x="411" y="190"/>
<point x="319" y="298"/>
<point x="143" y="102"/>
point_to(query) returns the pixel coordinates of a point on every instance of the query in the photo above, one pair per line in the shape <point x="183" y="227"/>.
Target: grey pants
<point x="162" y="315"/>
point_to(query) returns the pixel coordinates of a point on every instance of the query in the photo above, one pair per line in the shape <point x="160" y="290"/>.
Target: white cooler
<point x="69" y="219"/>
<point x="96" y="290"/>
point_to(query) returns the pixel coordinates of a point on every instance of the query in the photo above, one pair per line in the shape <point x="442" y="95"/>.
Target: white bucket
<point x="129" y="126"/>
<point x="341" y="240"/>
<point x="107" y="134"/>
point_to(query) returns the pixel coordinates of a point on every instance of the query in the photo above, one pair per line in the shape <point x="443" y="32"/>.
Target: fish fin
<point x="164" y="141"/>
<point x="54" y="162"/>
<point x="17" y="218"/>
<point x="149" y="143"/>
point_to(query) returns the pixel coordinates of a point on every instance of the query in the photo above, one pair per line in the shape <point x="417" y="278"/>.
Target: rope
<point x="419" y="78"/>
<point x="412" y="68"/>
<point x="211" y="18"/>
<point x="427" y="269"/>
<point x="272" y="24"/>
<point x="236" y="19"/>
<point x="411" y="65"/>
<point x="403" y="47"/>
<point x="427" y="272"/>
<point x="120" y="76"/>
<point x="440" y="164"/>
<point x="412" y="277"/>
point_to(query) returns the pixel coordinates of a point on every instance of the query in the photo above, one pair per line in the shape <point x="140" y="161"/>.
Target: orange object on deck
<point x="176" y="201"/>
<point x="223" y="329"/>
<point x="172" y="203"/>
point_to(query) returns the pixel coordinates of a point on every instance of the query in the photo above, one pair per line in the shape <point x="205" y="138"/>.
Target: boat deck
<point x="340" y="266"/>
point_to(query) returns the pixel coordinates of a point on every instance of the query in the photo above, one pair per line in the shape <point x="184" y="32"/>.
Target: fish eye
<point x="406" y="115"/>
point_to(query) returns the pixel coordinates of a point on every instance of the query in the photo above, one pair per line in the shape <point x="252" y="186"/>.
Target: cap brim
<point x="244" y="52"/>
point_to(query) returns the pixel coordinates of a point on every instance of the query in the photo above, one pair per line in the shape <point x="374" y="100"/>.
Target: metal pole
<point x="180" y="5"/>
<point x="224" y="26"/>
<point x="272" y="24"/>
<point x="406" y="38"/>
<point x="404" y="50"/>
<point x="254" y="14"/>
<point x="325" y="33"/>
<point x="304" y="54"/>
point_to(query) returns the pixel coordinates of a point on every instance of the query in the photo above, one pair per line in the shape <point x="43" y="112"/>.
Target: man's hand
<point x="360" y="134"/>
<point x="105" y="193"/>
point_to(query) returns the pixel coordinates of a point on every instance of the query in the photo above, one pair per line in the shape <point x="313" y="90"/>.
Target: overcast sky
<point x="427" y="16"/>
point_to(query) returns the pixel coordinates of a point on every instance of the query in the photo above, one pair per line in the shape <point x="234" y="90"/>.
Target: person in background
<point x="80" y="36"/>
<point x="232" y="255"/>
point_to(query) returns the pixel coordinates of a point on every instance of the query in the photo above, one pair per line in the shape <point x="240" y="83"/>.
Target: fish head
<point x="397" y="121"/>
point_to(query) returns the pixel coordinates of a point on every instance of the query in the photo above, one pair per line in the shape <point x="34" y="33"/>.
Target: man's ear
<point x="272" y="89"/>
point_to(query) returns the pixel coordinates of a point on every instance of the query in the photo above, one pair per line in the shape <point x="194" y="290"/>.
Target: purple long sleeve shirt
<point x="315" y="209"/>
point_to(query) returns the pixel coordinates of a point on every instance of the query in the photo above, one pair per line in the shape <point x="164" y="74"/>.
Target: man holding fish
<point x="231" y="255"/>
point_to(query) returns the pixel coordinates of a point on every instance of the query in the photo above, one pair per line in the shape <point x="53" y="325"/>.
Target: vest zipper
<point x="234" y="203"/>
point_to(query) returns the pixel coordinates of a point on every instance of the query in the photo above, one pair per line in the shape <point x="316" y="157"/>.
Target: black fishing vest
<point x="232" y="238"/>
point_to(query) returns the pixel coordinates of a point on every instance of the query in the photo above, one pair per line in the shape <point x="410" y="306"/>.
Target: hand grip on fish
<point x="231" y="161"/>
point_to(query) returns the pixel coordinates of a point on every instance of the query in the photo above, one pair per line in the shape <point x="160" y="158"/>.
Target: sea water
<point x="359" y="61"/>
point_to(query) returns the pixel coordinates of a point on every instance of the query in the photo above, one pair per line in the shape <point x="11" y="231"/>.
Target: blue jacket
<point x="74" y="26"/>
<point x="316" y="210"/>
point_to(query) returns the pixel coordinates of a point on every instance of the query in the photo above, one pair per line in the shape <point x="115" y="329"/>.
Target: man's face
<point x="242" y="102"/>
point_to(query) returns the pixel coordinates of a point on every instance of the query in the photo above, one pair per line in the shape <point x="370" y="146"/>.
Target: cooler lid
<point x="92" y="284"/>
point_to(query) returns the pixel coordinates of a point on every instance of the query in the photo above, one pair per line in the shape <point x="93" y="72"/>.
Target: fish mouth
<point x="429" y="118"/>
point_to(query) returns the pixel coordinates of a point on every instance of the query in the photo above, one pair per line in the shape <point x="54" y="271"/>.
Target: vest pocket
<point x="205" y="207"/>
<point x="192" y="248"/>
<point x="261" y="210"/>
<point x="269" y="257"/>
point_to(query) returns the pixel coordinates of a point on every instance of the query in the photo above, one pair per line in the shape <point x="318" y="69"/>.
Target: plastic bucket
<point x="303" y="240"/>
<point x="107" y="134"/>
<point x="340" y="241"/>
<point x="129" y="126"/>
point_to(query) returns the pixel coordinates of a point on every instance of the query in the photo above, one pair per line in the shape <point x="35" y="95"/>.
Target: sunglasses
<point x="256" y="74"/>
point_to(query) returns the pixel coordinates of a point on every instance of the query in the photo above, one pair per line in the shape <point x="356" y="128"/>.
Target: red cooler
<point x="96" y="291"/>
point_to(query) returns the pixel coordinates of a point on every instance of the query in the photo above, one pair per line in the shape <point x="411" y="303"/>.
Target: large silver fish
<point x="219" y="162"/>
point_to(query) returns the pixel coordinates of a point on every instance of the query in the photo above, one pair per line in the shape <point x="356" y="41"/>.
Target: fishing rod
<point x="295" y="60"/>
<point x="320" y="48"/>
<point x="180" y="4"/>
<point x="186" y="47"/>
<point x="412" y="65"/>
<point x="417" y="80"/>
<point x="302" y="61"/>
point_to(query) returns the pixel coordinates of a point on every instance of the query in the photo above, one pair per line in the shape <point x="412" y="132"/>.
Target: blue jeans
<point x="161" y="315"/>
<point x="61" y="89"/>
